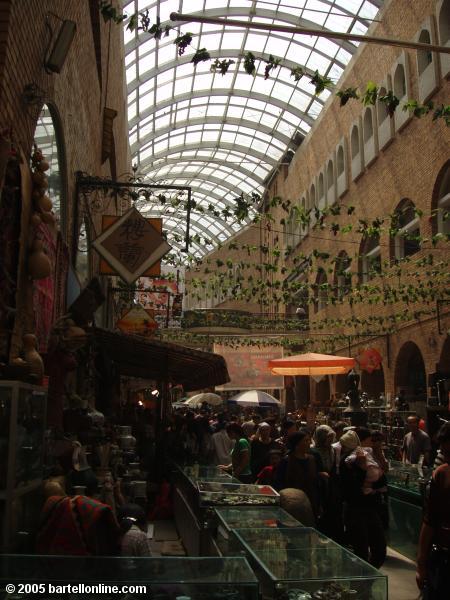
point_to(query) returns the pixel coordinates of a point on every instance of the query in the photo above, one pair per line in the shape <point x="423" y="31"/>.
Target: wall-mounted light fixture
<point x="59" y="49"/>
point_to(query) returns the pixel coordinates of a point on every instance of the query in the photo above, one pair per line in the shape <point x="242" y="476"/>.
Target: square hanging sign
<point x="131" y="245"/>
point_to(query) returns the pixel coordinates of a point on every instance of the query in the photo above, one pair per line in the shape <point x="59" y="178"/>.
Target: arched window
<point x="321" y="196"/>
<point x="444" y="23"/>
<point x="441" y="204"/>
<point x="355" y="141"/>
<point x="382" y="111"/>
<point x="399" y="81"/>
<point x="321" y="291"/>
<point x="369" y="258"/>
<point x="424" y="57"/>
<point x="406" y="225"/>
<point x="312" y="196"/>
<point x="342" y="275"/>
<point x="48" y="138"/>
<point x="340" y="160"/>
<point x="330" y="175"/>
<point x="368" y="125"/>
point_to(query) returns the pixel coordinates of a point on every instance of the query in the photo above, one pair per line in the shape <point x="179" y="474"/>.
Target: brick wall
<point x="407" y="168"/>
<point x="76" y="94"/>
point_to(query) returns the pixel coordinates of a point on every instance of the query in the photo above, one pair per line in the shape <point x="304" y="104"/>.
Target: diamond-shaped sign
<point x="131" y="245"/>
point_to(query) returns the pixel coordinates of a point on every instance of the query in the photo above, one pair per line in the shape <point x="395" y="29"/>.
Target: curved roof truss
<point x="225" y="134"/>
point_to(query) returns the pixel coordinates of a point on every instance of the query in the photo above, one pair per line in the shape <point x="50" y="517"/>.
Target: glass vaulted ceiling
<point x="223" y="135"/>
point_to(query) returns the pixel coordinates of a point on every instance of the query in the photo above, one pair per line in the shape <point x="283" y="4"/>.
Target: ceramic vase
<point x="32" y="356"/>
<point x="39" y="266"/>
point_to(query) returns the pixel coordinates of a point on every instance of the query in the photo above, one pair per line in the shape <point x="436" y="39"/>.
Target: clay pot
<point x="18" y="362"/>
<point x="39" y="179"/>
<point x="48" y="218"/>
<point x="39" y="266"/>
<point x="44" y="203"/>
<point x="32" y="356"/>
<point x="35" y="220"/>
<point x="43" y="166"/>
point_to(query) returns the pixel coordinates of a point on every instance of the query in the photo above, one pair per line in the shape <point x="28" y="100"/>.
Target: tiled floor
<point x="401" y="574"/>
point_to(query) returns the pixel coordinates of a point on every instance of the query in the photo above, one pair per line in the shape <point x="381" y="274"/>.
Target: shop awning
<point x="136" y="356"/>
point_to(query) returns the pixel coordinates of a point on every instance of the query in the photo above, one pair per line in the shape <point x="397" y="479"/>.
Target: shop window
<point x="406" y="223"/>
<point x="48" y="138"/>
<point x="369" y="259"/>
<point x="356" y="151"/>
<point x="370" y="141"/>
<point x="342" y="275"/>
<point x="443" y="21"/>
<point x="400" y="84"/>
<point x="385" y="122"/>
<point x="442" y="203"/>
<point x="321" y="292"/>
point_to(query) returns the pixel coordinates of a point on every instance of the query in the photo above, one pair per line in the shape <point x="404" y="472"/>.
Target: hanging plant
<point x="391" y="101"/>
<point x="346" y="94"/>
<point x="370" y="95"/>
<point x="182" y="42"/>
<point x="418" y="110"/>
<point x="271" y="64"/>
<point x="201" y="55"/>
<point x="297" y="73"/>
<point x="442" y="113"/>
<point x="222" y="66"/>
<point x="249" y="63"/>
<point x="320" y="82"/>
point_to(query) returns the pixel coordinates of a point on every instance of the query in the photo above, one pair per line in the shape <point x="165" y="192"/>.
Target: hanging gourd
<point x="39" y="266"/>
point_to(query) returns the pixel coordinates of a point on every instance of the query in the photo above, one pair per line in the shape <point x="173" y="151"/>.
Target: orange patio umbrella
<point x="311" y="364"/>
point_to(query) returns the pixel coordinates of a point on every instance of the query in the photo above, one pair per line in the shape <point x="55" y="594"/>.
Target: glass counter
<point x="164" y="578"/>
<point x="302" y="564"/>
<point x="228" y="519"/>
<point x="231" y="494"/>
<point x="407" y="482"/>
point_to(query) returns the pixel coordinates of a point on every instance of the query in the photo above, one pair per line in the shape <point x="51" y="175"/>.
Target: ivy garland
<point x="140" y="21"/>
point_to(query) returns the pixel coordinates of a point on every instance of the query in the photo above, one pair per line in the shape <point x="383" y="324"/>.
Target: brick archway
<point x="410" y="374"/>
<point x="444" y="360"/>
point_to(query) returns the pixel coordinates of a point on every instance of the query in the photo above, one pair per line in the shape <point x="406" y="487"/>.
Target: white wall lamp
<point x="56" y="53"/>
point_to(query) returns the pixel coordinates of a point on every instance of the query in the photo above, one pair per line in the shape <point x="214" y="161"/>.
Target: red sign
<point x="247" y="367"/>
<point x="369" y="360"/>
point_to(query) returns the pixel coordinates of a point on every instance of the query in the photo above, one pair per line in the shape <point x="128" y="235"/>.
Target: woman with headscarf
<point x="324" y="437"/>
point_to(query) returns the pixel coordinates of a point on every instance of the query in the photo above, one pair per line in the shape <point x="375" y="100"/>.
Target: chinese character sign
<point x="131" y="245"/>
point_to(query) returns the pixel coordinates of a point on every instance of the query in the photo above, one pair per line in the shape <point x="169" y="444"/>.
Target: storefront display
<point x="231" y="494"/>
<point x="228" y="519"/>
<point x="302" y="564"/>
<point x="164" y="578"/>
<point x="22" y="425"/>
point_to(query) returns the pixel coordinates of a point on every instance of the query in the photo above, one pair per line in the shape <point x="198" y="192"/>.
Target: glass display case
<point x="393" y="426"/>
<point x="302" y="564"/>
<point x="22" y="428"/>
<point x="232" y="494"/>
<point x="229" y="518"/>
<point x="164" y="578"/>
<point x="408" y="481"/>
<point x="406" y="486"/>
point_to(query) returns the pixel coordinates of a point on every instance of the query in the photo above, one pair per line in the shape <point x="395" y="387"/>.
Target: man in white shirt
<point x="222" y="445"/>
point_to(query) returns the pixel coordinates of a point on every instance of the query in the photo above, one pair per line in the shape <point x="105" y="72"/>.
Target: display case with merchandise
<point x="164" y="578"/>
<point x="232" y="494"/>
<point x="229" y="518"/>
<point x="393" y="426"/>
<point x="22" y="428"/>
<point x="406" y="487"/>
<point x="302" y="564"/>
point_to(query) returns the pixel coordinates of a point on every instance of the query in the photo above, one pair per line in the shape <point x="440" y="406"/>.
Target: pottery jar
<point x="32" y="356"/>
<point x="39" y="266"/>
